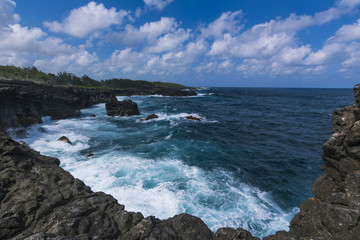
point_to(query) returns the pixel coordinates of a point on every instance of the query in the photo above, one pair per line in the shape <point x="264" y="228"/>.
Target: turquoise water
<point x="249" y="163"/>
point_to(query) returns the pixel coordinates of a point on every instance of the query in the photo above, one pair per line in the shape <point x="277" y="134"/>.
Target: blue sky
<point x="249" y="43"/>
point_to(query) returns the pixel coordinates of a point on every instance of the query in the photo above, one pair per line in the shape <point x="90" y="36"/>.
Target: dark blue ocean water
<point x="249" y="163"/>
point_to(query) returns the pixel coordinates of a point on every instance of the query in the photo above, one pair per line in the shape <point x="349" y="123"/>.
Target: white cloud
<point x="351" y="65"/>
<point x="87" y="19"/>
<point x="23" y="46"/>
<point x="157" y="4"/>
<point x="169" y="41"/>
<point x="6" y="13"/>
<point x="228" y="22"/>
<point x="294" y="55"/>
<point x="125" y="60"/>
<point x="78" y="62"/>
<point x="348" y="3"/>
<point x="16" y="58"/>
<point x="149" y="32"/>
<point x="31" y="40"/>
<point x="348" y="33"/>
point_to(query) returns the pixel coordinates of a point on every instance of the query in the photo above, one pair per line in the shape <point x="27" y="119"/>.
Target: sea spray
<point x="248" y="163"/>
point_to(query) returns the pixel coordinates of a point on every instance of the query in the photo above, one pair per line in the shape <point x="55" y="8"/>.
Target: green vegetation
<point x="68" y="79"/>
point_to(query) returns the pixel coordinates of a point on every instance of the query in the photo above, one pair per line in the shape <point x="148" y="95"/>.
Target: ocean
<point x="248" y="163"/>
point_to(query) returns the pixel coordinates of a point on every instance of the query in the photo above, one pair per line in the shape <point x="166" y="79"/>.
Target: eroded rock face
<point x="334" y="211"/>
<point x="24" y="103"/>
<point x="123" y="108"/>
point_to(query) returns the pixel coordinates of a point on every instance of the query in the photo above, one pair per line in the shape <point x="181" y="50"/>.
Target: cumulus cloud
<point x="6" y="13"/>
<point x="87" y="19"/>
<point x="228" y="22"/>
<point x="148" y="32"/>
<point x="157" y="4"/>
<point x="163" y="47"/>
<point x="77" y="62"/>
<point x="348" y="33"/>
<point x="169" y="41"/>
<point x="31" y="40"/>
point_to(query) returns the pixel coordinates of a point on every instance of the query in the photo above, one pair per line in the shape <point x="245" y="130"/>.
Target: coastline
<point x="309" y="228"/>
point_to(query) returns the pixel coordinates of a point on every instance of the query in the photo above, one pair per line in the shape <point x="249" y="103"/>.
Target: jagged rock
<point x="40" y="200"/>
<point x="334" y="211"/>
<point x="24" y="103"/>
<point x="65" y="139"/>
<point x="193" y="118"/>
<point x="22" y="142"/>
<point x="149" y="117"/>
<point x="124" y="108"/>
<point x="233" y="234"/>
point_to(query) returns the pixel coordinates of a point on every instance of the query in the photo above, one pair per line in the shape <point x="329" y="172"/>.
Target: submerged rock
<point x="149" y="117"/>
<point x="42" y="130"/>
<point x="124" y="108"/>
<point x="89" y="155"/>
<point x="65" y="139"/>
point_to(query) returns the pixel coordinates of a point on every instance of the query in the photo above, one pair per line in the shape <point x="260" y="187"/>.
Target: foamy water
<point x="169" y="165"/>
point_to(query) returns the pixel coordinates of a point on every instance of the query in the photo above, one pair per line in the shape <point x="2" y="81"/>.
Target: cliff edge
<point x="334" y="211"/>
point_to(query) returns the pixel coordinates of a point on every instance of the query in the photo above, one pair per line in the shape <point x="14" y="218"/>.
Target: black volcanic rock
<point x="65" y="139"/>
<point x="234" y="234"/>
<point x="24" y="103"/>
<point x="40" y="200"/>
<point x="191" y="117"/>
<point x="149" y="117"/>
<point x="123" y="108"/>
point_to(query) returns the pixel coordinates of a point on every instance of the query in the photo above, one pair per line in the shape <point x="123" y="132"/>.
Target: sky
<point x="229" y="43"/>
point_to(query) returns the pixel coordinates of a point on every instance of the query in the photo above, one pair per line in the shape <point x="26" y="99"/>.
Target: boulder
<point x="149" y="117"/>
<point x="190" y="117"/>
<point x="65" y="139"/>
<point x="124" y="108"/>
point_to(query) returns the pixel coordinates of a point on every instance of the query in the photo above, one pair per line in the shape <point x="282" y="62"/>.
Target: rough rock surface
<point x="334" y="211"/>
<point x="24" y="103"/>
<point x="123" y="108"/>
<point x="149" y="117"/>
<point x="65" y="139"/>
<point x="40" y="200"/>
<point x="191" y="117"/>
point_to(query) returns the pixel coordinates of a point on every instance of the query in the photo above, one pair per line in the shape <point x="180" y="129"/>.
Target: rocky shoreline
<point x="23" y="103"/>
<point x="40" y="200"/>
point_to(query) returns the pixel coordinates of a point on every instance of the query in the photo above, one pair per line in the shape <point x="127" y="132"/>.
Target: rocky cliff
<point x="39" y="200"/>
<point x="23" y="103"/>
<point x="334" y="211"/>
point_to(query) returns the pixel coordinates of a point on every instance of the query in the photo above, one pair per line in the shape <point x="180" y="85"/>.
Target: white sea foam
<point x="178" y="117"/>
<point x="162" y="187"/>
